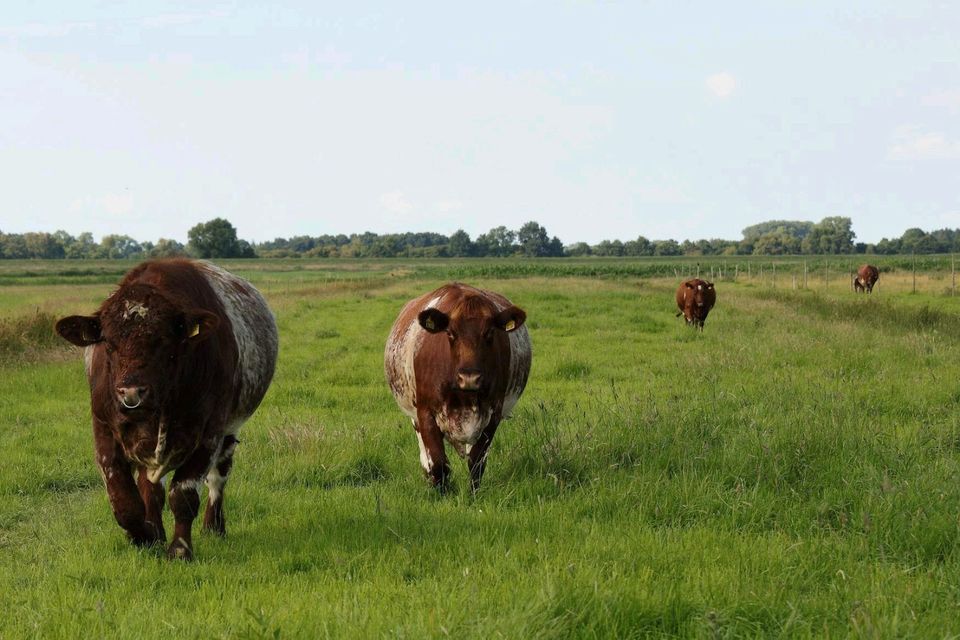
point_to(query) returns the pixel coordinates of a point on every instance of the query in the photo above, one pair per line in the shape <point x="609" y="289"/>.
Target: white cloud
<point x="913" y="143"/>
<point x="722" y="84"/>
<point x="396" y="202"/>
<point x="949" y="99"/>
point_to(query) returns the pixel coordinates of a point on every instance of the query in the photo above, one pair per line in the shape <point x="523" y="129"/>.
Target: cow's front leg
<point x="185" y="501"/>
<point x="477" y="458"/>
<point x="122" y="492"/>
<point x="152" y="495"/>
<point x="433" y="457"/>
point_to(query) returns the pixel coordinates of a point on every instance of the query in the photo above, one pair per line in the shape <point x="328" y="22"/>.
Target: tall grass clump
<point x="23" y="338"/>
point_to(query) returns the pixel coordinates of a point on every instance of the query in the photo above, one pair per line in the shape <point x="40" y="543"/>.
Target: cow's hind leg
<point x="213" y="519"/>
<point x="185" y="501"/>
<point x="153" y="498"/>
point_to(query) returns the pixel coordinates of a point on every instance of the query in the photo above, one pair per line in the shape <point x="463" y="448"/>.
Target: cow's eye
<point x="488" y="335"/>
<point x="451" y="335"/>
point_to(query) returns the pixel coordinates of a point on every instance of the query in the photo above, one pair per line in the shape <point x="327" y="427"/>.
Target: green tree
<point x="166" y="248"/>
<point x="533" y="240"/>
<point x="639" y="247"/>
<point x="83" y="246"/>
<point x="498" y="242"/>
<point x="118" y="246"/>
<point x="666" y="248"/>
<point x="460" y="244"/>
<point x="13" y="246"/>
<point x="830" y="235"/>
<point x="43" y="246"/>
<point x="216" y="238"/>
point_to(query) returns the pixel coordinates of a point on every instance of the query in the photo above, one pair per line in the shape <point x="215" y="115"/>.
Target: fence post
<point x="953" y="274"/>
<point x="914" y="273"/>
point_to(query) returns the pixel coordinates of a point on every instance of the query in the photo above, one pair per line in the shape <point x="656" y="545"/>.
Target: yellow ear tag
<point x="510" y="326"/>
<point x="428" y="324"/>
<point x="195" y="330"/>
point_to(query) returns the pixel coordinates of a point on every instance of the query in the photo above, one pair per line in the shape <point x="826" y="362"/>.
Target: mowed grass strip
<point x="790" y="471"/>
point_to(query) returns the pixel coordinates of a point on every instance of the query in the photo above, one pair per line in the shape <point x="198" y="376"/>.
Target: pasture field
<point x="793" y="471"/>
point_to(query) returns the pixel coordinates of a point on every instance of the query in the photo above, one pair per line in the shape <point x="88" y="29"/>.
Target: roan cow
<point x="177" y="357"/>
<point x="457" y="360"/>
<point x="866" y="278"/>
<point x="695" y="298"/>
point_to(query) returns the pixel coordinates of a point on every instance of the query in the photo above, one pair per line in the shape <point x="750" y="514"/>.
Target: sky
<point x="599" y="120"/>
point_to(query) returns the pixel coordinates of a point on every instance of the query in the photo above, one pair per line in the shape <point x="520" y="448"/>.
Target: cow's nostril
<point x="131" y="397"/>
<point x="469" y="380"/>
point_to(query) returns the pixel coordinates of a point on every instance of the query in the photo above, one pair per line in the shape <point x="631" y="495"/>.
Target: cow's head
<point x="477" y="336"/>
<point x="145" y="339"/>
<point x="700" y="291"/>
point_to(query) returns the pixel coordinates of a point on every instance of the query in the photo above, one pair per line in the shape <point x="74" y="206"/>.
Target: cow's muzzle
<point x="131" y="397"/>
<point x="469" y="380"/>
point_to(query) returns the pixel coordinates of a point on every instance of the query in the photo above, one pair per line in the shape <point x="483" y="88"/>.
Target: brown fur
<point x="695" y="298"/>
<point x="463" y="365"/>
<point x="866" y="278"/>
<point x="164" y="339"/>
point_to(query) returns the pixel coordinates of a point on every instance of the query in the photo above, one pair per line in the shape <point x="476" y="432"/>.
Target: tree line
<point x="217" y="238"/>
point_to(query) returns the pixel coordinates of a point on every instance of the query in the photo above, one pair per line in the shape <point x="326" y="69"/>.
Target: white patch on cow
<point x="133" y="308"/>
<point x="699" y="287"/>
<point x="464" y="426"/>
<point x="255" y="331"/>
<point x="425" y="460"/>
<point x="399" y="356"/>
<point x="215" y="484"/>
<point x="161" y="441"/>
<point x="187" y="485"/>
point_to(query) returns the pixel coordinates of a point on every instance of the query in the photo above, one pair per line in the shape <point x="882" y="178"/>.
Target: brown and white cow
<point x="457" y="360"/>
<point x="177" y="357"/>
<point x="695" y="298"/>
<point x="866" y="278"/>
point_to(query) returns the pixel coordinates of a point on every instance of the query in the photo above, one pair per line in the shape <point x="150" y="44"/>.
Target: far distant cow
<point x="866" y="277"/>
<point x="457" y="360"/>
<point x="695" y="298"/>
<point x="177" y="357"/>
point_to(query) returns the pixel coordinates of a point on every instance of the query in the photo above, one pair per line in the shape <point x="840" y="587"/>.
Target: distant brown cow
<point x="866" y="278"/>
<point x="695" y="298"/>
<point x="457" y="360"/>
<point x="177" y="357"/>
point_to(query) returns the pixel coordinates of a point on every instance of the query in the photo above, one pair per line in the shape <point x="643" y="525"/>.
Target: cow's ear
<point x="80" y="330"/>
<point x="433" y="320"/>
<point x="197" y="325"/>
<point x="510" y="319"/>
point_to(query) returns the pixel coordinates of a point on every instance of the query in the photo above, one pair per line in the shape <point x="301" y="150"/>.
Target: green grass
<point x="792" y="471"/>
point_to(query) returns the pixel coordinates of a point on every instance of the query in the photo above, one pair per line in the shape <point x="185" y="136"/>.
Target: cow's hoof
<point x="179" y="550"/>
<point x="148" y="537"/>
<point x="214" y="525"/>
